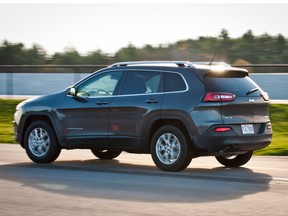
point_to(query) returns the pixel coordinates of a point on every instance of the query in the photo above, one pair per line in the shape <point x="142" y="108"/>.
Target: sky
<point x="110" y="25"/>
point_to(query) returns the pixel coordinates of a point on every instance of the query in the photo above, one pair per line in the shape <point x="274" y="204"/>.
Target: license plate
<point x="247" y="129"/>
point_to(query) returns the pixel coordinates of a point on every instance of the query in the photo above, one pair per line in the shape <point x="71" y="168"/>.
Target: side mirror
<point x="71" y="91"/>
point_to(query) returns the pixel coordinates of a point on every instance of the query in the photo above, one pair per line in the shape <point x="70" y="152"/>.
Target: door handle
<point x="151" y="101"/>
<point x="101" y="102"/>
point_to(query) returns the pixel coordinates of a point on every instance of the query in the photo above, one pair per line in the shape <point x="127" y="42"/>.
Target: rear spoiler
<point x="219" y="71"/>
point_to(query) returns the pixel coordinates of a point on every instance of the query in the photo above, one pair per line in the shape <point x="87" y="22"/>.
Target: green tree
<point x="69" y="57"/>
<point x="224" y="45"/>
<point x="244" y="48"/>
<point x="128" y="53"/>
<point x="36" y="55"/>
<point x="11" y="54"/>
<point x="97" y="57"/>
<point x="249" y="47"/>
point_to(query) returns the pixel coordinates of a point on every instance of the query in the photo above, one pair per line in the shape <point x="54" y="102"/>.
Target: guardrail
<point x="10" y="70"/>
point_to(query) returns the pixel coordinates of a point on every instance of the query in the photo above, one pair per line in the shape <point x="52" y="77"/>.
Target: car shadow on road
<point x="123" y="181"/>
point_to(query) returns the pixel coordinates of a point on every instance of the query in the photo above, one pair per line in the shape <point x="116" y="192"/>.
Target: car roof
<point x="211" y="67"/>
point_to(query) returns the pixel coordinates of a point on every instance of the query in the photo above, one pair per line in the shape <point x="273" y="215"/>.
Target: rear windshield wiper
<point x="252" y="91"/>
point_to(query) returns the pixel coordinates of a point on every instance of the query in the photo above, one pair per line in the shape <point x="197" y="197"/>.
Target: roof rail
<point x="213" y="63"/>
<point x="153" y="63"/>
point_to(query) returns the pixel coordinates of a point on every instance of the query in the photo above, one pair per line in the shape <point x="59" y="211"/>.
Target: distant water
<point x="275" y="84"/>
<point x="37" y="84"/>
<point x="42" y="84"/>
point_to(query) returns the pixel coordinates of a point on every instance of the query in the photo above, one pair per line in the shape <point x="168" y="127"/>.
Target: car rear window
<point x="239" y="86"/>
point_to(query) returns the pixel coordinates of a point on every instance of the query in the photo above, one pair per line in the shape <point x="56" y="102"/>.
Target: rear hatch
<point x="243" y="102"/>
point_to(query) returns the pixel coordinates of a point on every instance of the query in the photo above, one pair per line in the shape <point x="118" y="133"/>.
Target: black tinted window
<point x="174" y="82"/>
<point x="143" y="82"/>
<point x="239" y="86"/>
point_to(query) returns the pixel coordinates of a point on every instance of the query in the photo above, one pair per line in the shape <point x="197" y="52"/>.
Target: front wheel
<point x="105" y="154"/>
<point x="170" y="149"/>
<point x="40" y="143"/>
<point x="235" y="160"/>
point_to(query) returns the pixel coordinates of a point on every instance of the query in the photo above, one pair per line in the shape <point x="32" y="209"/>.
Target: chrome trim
<point x="151" y="70"/>
<point x="152" y="63"/>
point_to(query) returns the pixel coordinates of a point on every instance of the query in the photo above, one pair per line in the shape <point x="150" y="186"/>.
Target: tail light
<point x="218" y="97"/>
<point x="222" y="129"/>
<point x="265" y="96"/>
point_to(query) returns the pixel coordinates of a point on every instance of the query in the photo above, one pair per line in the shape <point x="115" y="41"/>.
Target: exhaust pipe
<point x="224" y="150"/>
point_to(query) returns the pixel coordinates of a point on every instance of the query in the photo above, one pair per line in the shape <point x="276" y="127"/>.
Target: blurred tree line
<point x="248" y="49"/>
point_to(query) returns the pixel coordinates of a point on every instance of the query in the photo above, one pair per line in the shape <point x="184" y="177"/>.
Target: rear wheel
<point x="40" y="143"/>
<point x="235" y="160"/>
<point x="105" y="154"/>
<point x="170" y="149"/>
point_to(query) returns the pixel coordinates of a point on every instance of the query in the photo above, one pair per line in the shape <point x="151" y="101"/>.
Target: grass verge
<point x="7" y="109"/>
<point x="279" y="119"/>
<point x="278" y="116"/>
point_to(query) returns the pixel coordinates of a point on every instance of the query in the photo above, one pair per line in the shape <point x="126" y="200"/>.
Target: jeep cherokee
<point x="173" y="110"/>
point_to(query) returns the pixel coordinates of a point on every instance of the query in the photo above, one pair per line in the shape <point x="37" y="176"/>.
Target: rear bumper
<point x="231" y="142"/>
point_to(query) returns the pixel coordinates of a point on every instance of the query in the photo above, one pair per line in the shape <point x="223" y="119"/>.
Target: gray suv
<point x="173" y="110"/>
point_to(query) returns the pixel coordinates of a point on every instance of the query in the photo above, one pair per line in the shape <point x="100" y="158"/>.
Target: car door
<point x="138" y="104"/>
<point x="85" y="116"/>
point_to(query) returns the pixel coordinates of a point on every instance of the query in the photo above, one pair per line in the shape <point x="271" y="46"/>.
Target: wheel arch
<point x="37" y="117"/>
<point x="177" y="122"/>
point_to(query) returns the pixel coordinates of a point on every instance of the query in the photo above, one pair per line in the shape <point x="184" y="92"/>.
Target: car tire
<point x="236" y="160"/>
<point x="105" y="154"/>
<point x="170" y="149"/>
<point x="40" y="143"/>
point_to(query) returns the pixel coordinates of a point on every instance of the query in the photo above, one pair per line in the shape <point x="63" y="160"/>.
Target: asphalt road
<point x="79" y="184"/>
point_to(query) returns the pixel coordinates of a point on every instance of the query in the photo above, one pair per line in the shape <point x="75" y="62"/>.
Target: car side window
<point x="143" y="82"/>
<point x="174" y="82"/>
<point x="103" y="84"/>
